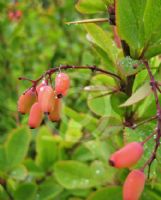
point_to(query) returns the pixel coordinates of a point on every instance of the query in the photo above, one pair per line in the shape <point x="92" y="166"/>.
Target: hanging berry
<point x="26" y="100"/>
<point x="127" y="156"/>
<point x="55" y="114"/>
<point x="134" y="185"/>
<point x="62" y="83"/>
<point x="38" y="87"/>
<point x="35" y="116"/>
<point x="45" y="98"/>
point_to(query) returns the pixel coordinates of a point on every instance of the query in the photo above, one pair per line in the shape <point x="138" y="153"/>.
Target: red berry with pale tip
<point x="134" y="185"/>
<point x="35" y="116"/>
<point x="127" y="156"/>
<point x="38" y="87"/>
<point x="62" y="83"/>
<point x="55" y="114"/>
<point x="45" y="98"/>
<point x="26" y="100"/>
<point x="18" y="14"/>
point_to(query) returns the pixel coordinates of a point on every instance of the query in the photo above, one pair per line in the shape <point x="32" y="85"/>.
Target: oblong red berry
<point x="55" y="114"/>
<point x="45" y="98"/>
<point x="35" y="116"/>
<point x="62" y="83"/>
<point x="134" y="185"/>
<point x="26" y="100"/>
<point x="127" y="156"/>
<point x="38" y="87"/>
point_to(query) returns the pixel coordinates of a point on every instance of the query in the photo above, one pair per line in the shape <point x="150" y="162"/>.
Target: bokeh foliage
<point x="69" y="160"/>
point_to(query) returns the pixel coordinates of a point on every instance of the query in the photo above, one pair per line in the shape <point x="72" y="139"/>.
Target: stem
<point x="158" y="128"/>
<point x="144" y="122"/>
<point x="148" y="138"/>
<point x="88" y="21"/>
<point x="65" y="67"/>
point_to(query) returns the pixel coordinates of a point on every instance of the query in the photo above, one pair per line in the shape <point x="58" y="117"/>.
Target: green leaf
<point x="105" y="60"/>
<point x="116" y="99"/>
<point x="48" y="190"/>
<point x="3" y="194"/>
<point x="153" y="50"/>
<point x="99" y="105"/>
<point x="82" y="118"/>
<point x="17" y="146"/>
<point x="109" y="125"/>
<point x="25" y="191"/>
<point x="130" y="24"/>
<point x="104" y="80"/>
<point x="129" y="66"/>
<point x="33" y="170"/>
<point x="102" y="172"/>
<point x="90" y="6"/>
<point x="138" y="95"/>
<point x="103" y="40"/>
<point x="83" y="154"/>
<point x="19" y="173"/>
<point x="150" y="194"/>
<point x="152" y="22"/>
<point x="73" y="133"/>
<point x="103" y="194"/>
<point x="99" y="149"/>
<point x="3" y="159"/>
<point x="46" y="149"/>
<point x="73" y="174"/>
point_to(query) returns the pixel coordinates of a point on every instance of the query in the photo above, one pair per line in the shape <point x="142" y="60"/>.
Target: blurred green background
<point x="68" y="160"/>
<point x="38" y="41"/>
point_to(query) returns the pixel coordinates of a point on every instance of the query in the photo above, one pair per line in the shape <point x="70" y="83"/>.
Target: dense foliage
<point x="102" y="112"/>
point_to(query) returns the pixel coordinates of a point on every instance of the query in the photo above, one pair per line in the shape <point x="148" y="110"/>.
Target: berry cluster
<point x="44" y="99"/>
<point x="14" y="15"/>
<point x="126" y="157"/>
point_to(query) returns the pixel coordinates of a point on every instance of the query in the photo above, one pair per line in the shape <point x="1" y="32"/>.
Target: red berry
<point x="134" y="185"/>
<point x="18" y="14"/>
<point x="55" y="114"/>
<point x="14" y="15"/>
<point x="127" y="156"/>
<point x="43" y="83"/>
<point x="62" y="83"/>
<point x="11" y="15"/>
<point x="45" y="98"/>
<point x="35" y="116"/>
<point x="26" y="100"/>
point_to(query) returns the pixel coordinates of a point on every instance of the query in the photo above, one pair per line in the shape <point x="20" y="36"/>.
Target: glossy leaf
<point x="130" y="24"/>
<point x="19" y="173"/>
<point x="49" y="189"/>
<point x="25" y="191"/>
<point x="3" y="194"/>
<point x="90" y="6"/>
<point x="152" y="21"/>
<point x="138" y="95"/>
<point x="100" y="105"/>
<point x="17" y="146"/>
<point x="46" y="149"/>
<point x="103" y="40"/>
<point x="113" y="192"/>
<point x="73" y="133"/>
<point x="73" y="174"/>
<point x="109" y="125"/>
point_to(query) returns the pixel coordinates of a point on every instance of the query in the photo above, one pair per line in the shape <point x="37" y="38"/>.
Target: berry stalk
<point x="153" y="84"/>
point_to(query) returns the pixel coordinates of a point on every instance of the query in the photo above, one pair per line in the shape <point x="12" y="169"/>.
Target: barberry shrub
<point x="104" y="141"/>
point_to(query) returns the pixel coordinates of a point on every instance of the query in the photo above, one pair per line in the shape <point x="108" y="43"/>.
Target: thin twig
<point x="65" y="67"/>
<point x="158" y="128"/>
<point x="88" y="21"/>
<point x="144" y="122"/>
<point x="148" y="138"/>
